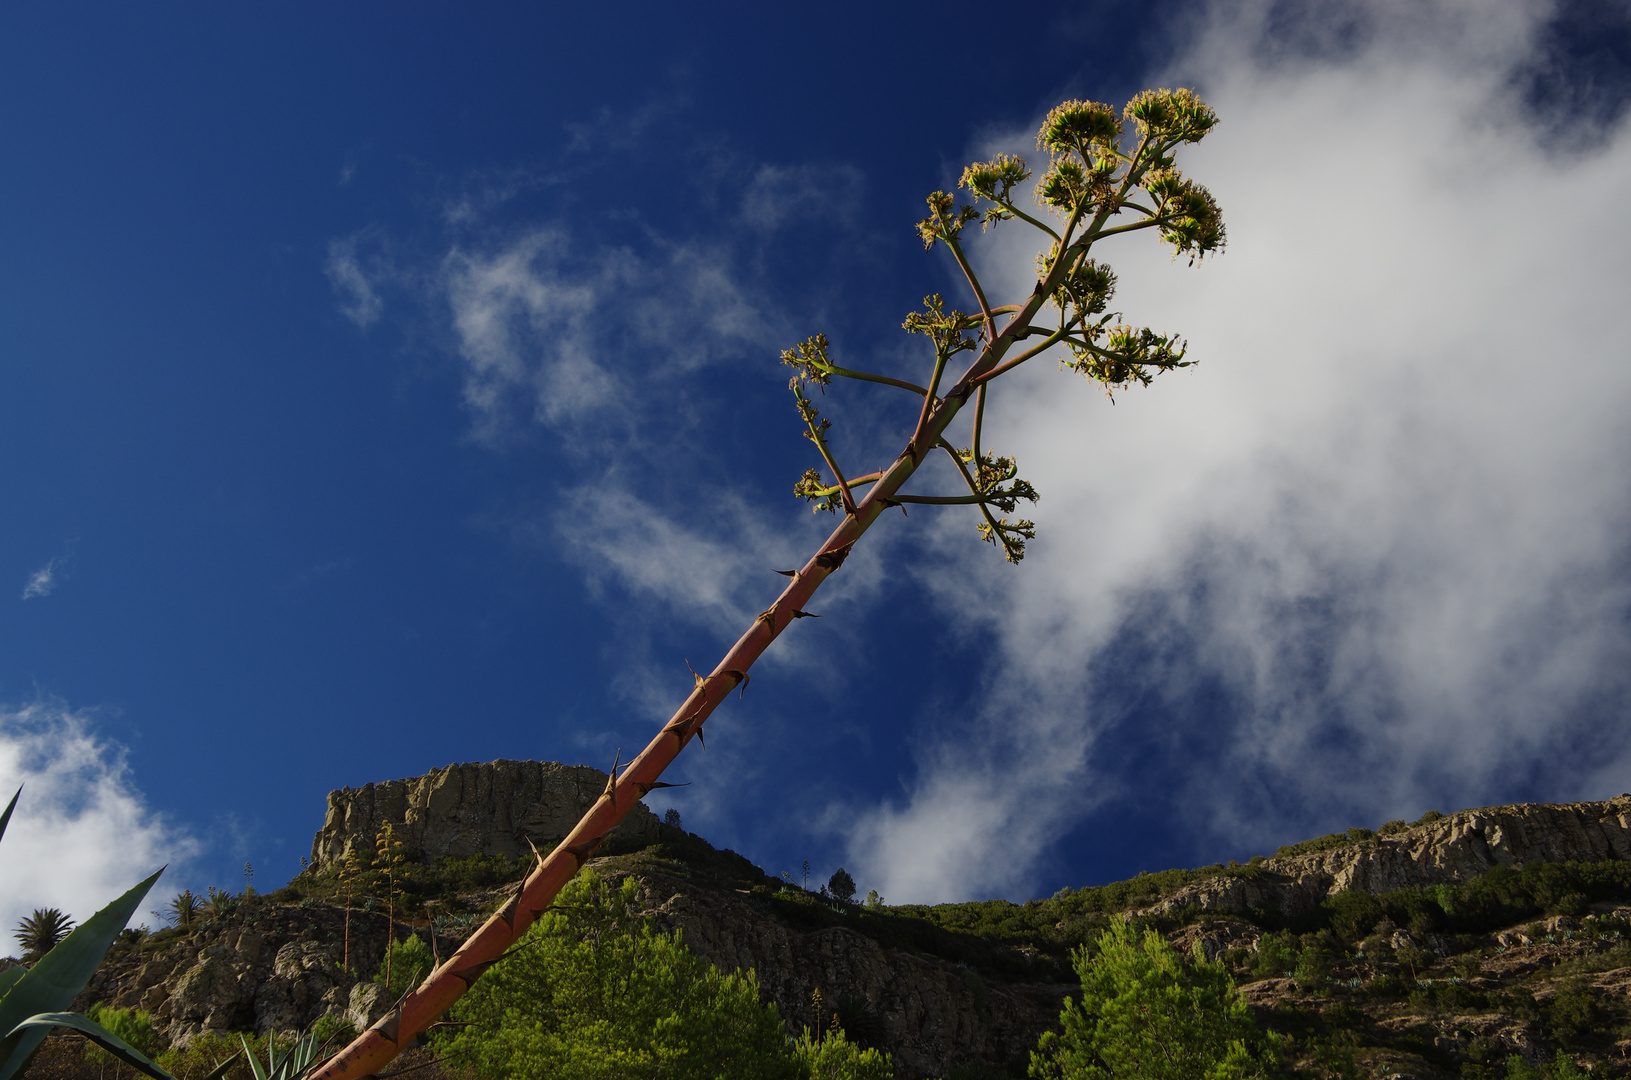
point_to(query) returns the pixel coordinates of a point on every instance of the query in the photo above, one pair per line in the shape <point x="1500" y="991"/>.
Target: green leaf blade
<point x="98" y="1034"/>
<point x="51" y="985"/>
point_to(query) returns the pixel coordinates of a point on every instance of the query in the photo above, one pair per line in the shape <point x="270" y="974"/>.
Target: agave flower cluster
<point x="1099" y="182"/>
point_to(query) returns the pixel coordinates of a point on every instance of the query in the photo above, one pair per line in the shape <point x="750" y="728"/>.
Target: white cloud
<point x="44" y="581"/>
<point x="359" y="298"/>
<point x="81" y="834"/>
<point x="1384" y="519"/>
<point x="563" y="336"/>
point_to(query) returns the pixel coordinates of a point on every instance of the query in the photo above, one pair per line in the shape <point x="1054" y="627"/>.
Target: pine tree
<point x="1147" y="1014"/>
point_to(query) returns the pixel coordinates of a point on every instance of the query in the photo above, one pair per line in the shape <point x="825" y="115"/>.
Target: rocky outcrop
<point x="935" y="1016"/>
<point x="271" y="967"/>
<point x="1450" y="850"/>
<point x="262" y="967"/>
<point x="470" y="809"/>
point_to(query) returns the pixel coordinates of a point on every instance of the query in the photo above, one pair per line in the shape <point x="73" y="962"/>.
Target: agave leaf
<point x="54" y="981"/>
<point x="9" y="976"/>
<point x="99" y="1035"/>
<point x="307" y="1051"/>
<point x="292" y="1064"/>
<point x="5" y="818"/>
<point x="221" y="1068"/>
<point x="254" y="1063"/>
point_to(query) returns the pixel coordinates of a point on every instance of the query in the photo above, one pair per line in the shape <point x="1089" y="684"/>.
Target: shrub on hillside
<point x="1147" y="1014"/>
<point x="410" y="962"/>
<point x="594" y="991"/>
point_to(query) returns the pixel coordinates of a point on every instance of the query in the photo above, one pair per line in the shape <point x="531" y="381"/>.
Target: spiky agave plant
<point x="33" y="999"/>
<point x="1100" y="181"/>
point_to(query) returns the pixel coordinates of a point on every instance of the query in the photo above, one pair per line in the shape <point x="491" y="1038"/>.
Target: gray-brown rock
<point x="470" y="809"/>
<point x="303" y="974"/>
<point x="212" y="993"/>
<point x="366" y="1004"/>
<point x="936" y="1016"/>
<point x="1449" y="850"/>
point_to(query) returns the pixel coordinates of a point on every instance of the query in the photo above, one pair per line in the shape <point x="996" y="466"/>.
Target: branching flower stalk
<point x="1098" y="183"/>
<point x="388" y="859"/>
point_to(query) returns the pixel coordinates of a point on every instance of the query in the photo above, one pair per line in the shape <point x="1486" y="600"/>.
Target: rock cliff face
<point x="277" y="968"/>
<point x="935" y="1016"/>
<point x="262" y="966"/>
<point x="1449" y="850"/>
<point x="470" y="809"/>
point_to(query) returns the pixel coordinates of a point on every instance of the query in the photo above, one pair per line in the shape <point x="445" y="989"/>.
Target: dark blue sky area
<point x="282" y="562"/>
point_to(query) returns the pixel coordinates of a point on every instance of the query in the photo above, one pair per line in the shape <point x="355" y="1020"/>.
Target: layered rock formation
<point x="1447" y="851"/>
<point x="470" y="809"/>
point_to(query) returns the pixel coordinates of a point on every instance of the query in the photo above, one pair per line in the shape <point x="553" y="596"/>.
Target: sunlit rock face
<point x="470" y="809"/>
<point x="1452" y="849"/>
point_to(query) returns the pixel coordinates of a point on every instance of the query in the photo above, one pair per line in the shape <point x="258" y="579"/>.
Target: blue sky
<point x="388" y="387"/>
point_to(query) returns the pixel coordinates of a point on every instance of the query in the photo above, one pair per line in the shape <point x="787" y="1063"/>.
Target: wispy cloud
<point x="82" y="833"/>
<point x="557" y="335"/>
<point x="778" y="194"/>
<point x="622" y="130"/>
<point x="44" y="581"/>
<point x="359" y="296"/>
<point x="1370" y="557"/>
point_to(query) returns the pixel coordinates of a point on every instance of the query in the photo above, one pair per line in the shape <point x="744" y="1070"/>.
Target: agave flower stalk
<point x="1097" y="184"/>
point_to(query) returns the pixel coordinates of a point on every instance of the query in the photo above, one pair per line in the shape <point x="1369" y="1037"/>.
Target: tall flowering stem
<point x="1097" y="184"/>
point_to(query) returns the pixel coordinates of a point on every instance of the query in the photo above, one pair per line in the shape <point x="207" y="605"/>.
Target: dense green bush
<point x="1319" y="843"/>
<point x="1499" y="898"/>
<point x="205" y="1051"/>
<point x="1275" y="955"/>
<point x="1562" y="1067"/>
<point x="1146" y="1014"/>
<point x="409" y="962"/>
<point x="834" y="1057"/>
<point x="593" y="991"/>
<point x="132" y="1025"/>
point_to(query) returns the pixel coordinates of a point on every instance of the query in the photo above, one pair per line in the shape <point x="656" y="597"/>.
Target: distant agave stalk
<point x="350" y="871"/>
<point x="1091" y="181"/>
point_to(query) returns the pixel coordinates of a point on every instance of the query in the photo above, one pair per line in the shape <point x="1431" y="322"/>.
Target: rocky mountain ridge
<point x="954" y="989"/>
<point x="1448" y="850"/>
<point x="491" y="808"/>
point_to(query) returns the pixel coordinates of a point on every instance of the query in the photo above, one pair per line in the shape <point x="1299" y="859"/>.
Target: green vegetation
<point x="1370" y="988"/>
<point x="183" y="909"/>
<point x="41" y="932"/>
<point x="594" y="991"/>
<point x="1146" y="1014"/>
<point x="1559" y="1068"/>
<point x="210" y="1050"/>
<point x="134" y="1026"/>
<point x="406" y="964"/>
<point x="1493" y="900"/>
<point x="832" y="1056"/>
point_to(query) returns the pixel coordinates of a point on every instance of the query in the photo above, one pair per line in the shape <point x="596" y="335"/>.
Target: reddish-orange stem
<point x="384" y="1040"/>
